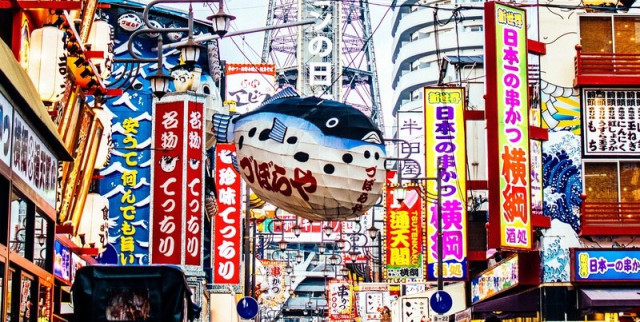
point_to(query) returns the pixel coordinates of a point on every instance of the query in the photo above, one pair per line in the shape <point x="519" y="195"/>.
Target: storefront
<point x="607" y="283"/>
<point x="510" y="289"/>
<point x="30" y="153"/>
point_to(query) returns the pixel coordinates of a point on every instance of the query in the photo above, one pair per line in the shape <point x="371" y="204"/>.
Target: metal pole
<point x="246" y="246"/>
<point x="439" y="205"/>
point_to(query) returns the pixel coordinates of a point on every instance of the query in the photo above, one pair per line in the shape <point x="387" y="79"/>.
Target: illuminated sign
<point x="404" y="238"/>
<point x="495" y="280"/>
<point x="61" y="261"/>
<point x="508" y="127"/>
<point x="318" y="50"/>
<point x="445" y="148"/>
<point x="249" y="84"/>
<point x="227" y="236"/>
<point x="601" y="265"/>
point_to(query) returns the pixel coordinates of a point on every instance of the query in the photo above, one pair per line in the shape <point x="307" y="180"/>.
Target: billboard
<point x="507" y="113"/>
<point x="340" y="299"/>
<point x="404" y="235"/>
<point x="226" y="240"/>
<point x="495" y="280"/>
<point x="445" y="152"/>
<point x="411" y="130"/>
<point x="249" y="84"/>
<point x="605" y="265"/>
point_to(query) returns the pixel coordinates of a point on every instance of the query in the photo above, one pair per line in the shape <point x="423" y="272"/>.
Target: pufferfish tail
<point x="222" y="127"/>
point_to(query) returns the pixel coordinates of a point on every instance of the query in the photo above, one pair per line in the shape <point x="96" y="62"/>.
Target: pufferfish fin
<point x="278" y="130"/>
<point x="284" y="93"/>
<point x="222" y="127"/>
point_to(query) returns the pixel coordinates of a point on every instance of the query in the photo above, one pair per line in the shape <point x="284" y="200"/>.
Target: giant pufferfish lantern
<point x="316" y="158"/>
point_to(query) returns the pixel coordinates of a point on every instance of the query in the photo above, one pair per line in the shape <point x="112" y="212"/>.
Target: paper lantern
<point x="47" y="63"/>
<point x="101" y="39"/>
<point x="316" y="158"/>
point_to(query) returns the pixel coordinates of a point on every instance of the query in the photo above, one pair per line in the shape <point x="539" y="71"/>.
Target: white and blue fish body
<point x="319" y="159"/>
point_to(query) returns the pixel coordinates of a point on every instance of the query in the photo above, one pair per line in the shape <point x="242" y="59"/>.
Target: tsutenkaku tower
<point x="333" y="58"/>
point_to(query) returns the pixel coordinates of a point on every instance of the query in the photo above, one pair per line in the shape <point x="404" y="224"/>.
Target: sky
<point x="253" y="14"/>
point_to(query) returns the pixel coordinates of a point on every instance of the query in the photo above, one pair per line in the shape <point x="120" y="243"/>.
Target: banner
<point x="272" y="292"/>
<point x="167" y="164"/>
<point x="507" y="113"/>
<point x="445" y="149"/>
<point x="227" y="237"/>
<point x="177" y="190"/>
<point x="339" y="300"/>
<point x="404" y="238"/>
<point x="249" y="84"/>
<point x="605" y="265"/>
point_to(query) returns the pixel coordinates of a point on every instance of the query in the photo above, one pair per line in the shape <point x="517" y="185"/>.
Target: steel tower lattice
<point x="333" y="58"/>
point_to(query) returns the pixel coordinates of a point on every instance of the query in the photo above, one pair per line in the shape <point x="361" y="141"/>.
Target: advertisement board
<point x="605" y="265"/>
<point x="507" y="114"/>
<point x="495" y="280"/>
<point x="340" y="299"/>
<point x="249" y="84"/>
<point x="61" y="261"/>
<point x="446" y="152"/>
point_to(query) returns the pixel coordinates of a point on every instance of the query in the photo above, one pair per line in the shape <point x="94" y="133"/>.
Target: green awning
<point x="18" y="83"/>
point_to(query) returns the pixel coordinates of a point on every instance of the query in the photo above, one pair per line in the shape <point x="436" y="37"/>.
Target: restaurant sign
<point x="495" y="280"/>
<point x="605" y="265"/>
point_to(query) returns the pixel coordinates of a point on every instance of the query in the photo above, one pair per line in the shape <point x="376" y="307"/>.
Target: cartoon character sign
<point x="316" y="158"/>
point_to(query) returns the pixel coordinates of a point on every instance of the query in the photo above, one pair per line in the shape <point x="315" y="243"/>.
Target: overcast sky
<point x="252" y="14"/>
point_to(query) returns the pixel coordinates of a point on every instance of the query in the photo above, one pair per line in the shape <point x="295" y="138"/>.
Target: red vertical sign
<point x="167" y="183"/>
<point x="194" y="187"/>
<point x="226" y="242"/>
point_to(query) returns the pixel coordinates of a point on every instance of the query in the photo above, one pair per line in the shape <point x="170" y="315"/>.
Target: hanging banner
<point x="226" y="241"/>
<point x="411" y="129"/>
<point x="404" y="237"/>
<point x="445" y="149"/>
<point x="249" y="84"/>
<point x="195" y="192"/>
<point x="167" y="165"/>
<point x="507" y="113"/>
<point x="6" y="122"/>
<point x="339" y="299"/>
<point x="272" y="292"/>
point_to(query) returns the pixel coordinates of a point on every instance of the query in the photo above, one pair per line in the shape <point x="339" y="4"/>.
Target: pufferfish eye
<point x="332" y="122"/>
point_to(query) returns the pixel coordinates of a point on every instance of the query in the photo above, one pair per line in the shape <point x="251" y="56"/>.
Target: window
<point x="609" y="34"/>
<point x="18" y="228"/>
<point x="617" y="181"/>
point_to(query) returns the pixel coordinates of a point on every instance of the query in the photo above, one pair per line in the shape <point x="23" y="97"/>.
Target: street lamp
<point x="314" y="260"/>
<point x="297" y="230"/>
<point x="220" y="21"/>
<point x="190" y="51"/>
<point x="340" y="243"/>
<point x="299" y="258"/>
<point x="333" y="260"/>
<point x="373" y="232"/>
<point x="282" y="244"/>
<point x="322" y="248"/>
<point x="327" y="230"/>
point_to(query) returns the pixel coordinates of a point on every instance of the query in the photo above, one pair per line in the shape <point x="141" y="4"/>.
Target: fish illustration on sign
<point x="316" y="158"/>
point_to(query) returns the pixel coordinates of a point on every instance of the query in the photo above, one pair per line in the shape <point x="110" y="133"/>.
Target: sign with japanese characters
<point x="495" y="280"/>
<point x="404" y="237"/>
<point x="310" y="231"/>
<point x="33" y="162"/>
<point x="194" y="187"/>
<point x="339" y="299"/>
<point x="415" y="309"/>
<point x="227" y="236"/>
<point x="249" y="84"/>
<point x="167" y="190"/>
<point x="605" y="265"/>
<point x="508" y="127"/>
<point x="274" y="291"/>
<point x="6" y="120"/>
<point x="373" y="299"/>
<point x="445" y="152"/>
<point x="611" y="126"/>
<point x="411" y="130"/>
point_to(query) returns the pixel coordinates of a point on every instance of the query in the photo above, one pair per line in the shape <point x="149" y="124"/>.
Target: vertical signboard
<point x="167" y="172"/>
<point x="6" y="121"/>
<point x="177" y="190"/>
<point x="226" y="240"/>
<point x="249" y="84"/>
<point x="339" y="300"/>
<point x="404" y="237"/>
<point x="411" y="129"/>
<point x="445" y="152"/>
<point x="195" y="188"/>
<point x="507" y="127"/>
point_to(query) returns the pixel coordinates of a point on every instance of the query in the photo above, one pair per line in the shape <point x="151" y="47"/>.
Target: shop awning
<point x="603" y="299"/>
<point x="523" y="304"/>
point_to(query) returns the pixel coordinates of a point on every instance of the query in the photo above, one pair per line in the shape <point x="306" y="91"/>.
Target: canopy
<point x="523" y="304"/>
<point x="608" y="299"/>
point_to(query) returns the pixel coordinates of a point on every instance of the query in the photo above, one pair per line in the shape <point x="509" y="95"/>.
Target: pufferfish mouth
<point x="372" y="137"/>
